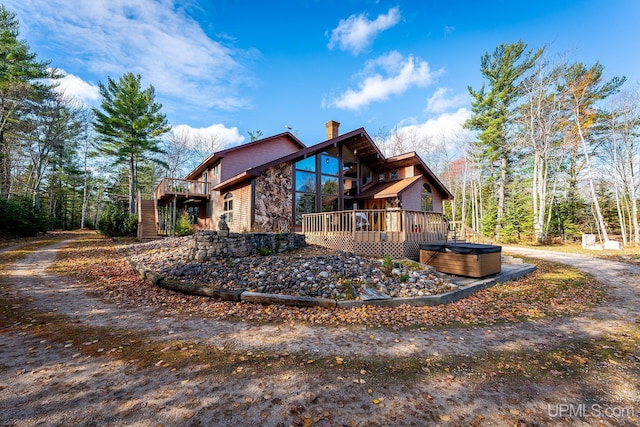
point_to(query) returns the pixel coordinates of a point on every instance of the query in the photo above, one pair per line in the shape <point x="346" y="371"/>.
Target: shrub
<point x="116" y="222"/>
<point x="264" y="251"/>
<point x="183" y="225"/>
<point x="19" y="218"/>
<point x="387" y="265"/>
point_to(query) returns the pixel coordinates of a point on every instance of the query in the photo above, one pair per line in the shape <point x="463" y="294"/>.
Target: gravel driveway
<point x="49" y="383"/>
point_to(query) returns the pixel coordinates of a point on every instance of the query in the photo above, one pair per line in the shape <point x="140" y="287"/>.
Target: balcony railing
<point x="414" y="225"/>
<point x="394" y="231"/>
<point x="182" y="187"/>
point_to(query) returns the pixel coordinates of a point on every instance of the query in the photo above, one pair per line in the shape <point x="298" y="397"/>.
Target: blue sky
<point x="229" y="67"/>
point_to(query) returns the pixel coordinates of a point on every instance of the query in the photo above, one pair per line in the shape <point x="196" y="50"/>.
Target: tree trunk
<point x="132" y="186"/>
<point x="502" y="189"/>
<point x="5" y="167"/>
<point x="594" y="197"/>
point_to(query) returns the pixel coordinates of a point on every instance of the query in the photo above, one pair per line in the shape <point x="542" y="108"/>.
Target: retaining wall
<point x="221" y="244"/>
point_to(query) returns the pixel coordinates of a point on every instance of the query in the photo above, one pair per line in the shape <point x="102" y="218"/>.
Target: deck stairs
<point x="147" y="222"/>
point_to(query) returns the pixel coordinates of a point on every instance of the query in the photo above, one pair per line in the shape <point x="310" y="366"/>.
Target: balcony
<point x="394" y="232"/>
<point x="170" y="188"/>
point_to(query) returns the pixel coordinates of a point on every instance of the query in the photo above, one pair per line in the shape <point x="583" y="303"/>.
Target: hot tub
<point x="462" y="259"/>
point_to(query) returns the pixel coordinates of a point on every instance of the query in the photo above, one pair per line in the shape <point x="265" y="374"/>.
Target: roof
<point x="212" y="159"/>
<point x="367" y="152"/>
<point x="364" y="148"/>
<point x="383" y="190"/>
<point x="413" y="159"/>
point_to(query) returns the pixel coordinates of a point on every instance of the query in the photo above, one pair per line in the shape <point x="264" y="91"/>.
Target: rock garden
<point x="310" y="272"/>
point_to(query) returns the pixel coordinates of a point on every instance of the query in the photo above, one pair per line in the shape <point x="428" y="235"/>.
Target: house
<point x="337" y="187"/>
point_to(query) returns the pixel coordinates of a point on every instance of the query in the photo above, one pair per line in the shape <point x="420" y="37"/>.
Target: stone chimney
<point x="332" y="129"/>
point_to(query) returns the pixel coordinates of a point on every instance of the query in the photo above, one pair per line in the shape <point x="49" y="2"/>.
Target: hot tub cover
<point x="461" y="248"/>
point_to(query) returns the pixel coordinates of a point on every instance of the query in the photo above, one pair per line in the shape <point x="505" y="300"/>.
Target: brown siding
<point x="241" y="209"/>
<point x="412" y="197"/>
<point x="239" y="161"/>
<point x="274" y="198"/>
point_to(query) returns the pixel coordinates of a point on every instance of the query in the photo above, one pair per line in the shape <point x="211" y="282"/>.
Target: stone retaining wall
<point x="220" y="244"/>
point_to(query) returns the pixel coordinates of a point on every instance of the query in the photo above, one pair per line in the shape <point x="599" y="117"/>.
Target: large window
<point x="305" y="186"/>
<point x="427" y="198"/>
<point x="329" y="184"/>
<point x="227" y="206"/>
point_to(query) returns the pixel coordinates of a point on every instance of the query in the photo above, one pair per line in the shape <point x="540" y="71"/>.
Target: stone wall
<point x="220" y="244"/>
<point x="273" y="208"/>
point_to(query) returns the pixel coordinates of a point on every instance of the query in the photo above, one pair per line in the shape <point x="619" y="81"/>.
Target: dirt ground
<point x="47" y="383"/>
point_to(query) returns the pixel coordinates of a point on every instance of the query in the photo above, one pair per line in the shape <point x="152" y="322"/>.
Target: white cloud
<point x="357" y="32"/>
<point x="153" y="38"/>
<point x="445" y="129"/>
<point x="218" y="134"/>
<point x="439" y="102"/>
<point x="77" y="88"/>
<point x="388" y="75"/>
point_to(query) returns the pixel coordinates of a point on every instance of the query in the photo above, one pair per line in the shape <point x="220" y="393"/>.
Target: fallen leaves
<point x="554" y="290"/>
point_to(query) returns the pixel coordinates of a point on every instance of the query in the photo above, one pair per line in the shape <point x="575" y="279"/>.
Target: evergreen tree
<point x="21" y="81"/>
<point x="129" y="124"/>
<point x="493" y="111"/>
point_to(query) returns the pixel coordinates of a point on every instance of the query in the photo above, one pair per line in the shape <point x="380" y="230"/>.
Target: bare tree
<point x="584" y="88"/>
<point x="207" y="144"/>
<point x="540" y="117"/>
<point x="624" y="122"/>
<point x="179" y="152"/>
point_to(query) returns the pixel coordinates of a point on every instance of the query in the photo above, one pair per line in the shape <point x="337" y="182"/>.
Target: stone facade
<point x="221" y="244"/>
<point x="273" y="206"/>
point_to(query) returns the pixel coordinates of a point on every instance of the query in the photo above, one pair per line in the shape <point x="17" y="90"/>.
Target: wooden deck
<point x="169" y="188"/>
<point x="394" y="232"/>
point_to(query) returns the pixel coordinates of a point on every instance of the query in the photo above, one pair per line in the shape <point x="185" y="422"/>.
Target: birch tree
<point x="540" y="118"/>
<point x="624" y="124"/>
<point x="584" y="88"/>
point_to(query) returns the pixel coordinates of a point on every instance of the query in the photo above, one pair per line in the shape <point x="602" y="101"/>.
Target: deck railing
<point x="182" y="187"/>
<point x="396" y="231"/>
<point x="460" y="231"/>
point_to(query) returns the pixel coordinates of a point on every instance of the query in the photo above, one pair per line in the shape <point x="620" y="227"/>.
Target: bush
<point x="116" y="222"/>
<point x="18" y="218"/>
<point x="183" y="225"/>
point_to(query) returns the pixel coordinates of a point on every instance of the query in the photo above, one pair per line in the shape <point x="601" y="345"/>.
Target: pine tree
<point x="493" y="110"/>
<point x="21" y="81"/>
<point x="130" y="124"/>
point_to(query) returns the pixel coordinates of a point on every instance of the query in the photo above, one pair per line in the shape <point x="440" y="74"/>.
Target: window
<point x="193" y="212"/>
<point x="381" y="177"/>
<point x="393" y="175"/>
<point x="366" y="175"/>
<point x="329" y="185"/>
<point x="427" y="198"/>
<point x="329" y="165"/>
<point x="305" y="182"/>
<point x="227" y="206"/>
<point x="216" y="169"/>
<point x="305" y="187"/>
<point x="308" y="164"/>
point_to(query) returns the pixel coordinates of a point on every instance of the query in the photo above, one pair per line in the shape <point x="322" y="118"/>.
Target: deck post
<point x="175" y="208"/>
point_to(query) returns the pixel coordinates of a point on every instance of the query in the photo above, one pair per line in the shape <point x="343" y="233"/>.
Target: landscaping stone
<point x="313" y="272"/>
